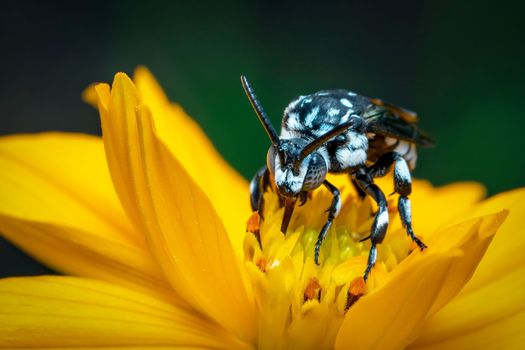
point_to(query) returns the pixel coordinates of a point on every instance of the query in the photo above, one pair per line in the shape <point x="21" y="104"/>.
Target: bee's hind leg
<point x="402" y="185"/>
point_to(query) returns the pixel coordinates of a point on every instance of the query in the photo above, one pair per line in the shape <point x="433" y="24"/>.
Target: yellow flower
<point x="151" y="222"/>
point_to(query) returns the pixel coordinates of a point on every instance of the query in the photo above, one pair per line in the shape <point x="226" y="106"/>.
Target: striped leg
<point x="402" y="185"/>
<point x="333" y="211"/>
<point x="380" y="225"/>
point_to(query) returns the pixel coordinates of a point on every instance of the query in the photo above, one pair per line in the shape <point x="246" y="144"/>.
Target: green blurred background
<point x="458" y="64"/>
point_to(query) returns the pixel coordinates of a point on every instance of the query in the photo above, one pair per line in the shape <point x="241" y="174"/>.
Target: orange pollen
<point x="312" y="290"/>
<point x="262" y="264"/>
<point x="356" y="290"/>
<point x="253" y="226"/>
<point x="253" y="223"/>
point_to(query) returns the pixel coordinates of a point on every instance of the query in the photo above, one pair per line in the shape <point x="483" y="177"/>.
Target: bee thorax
<point x="351" y="154"/>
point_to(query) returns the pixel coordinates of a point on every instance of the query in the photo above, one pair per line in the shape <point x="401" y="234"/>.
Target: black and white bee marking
<point x="338" y="131"/>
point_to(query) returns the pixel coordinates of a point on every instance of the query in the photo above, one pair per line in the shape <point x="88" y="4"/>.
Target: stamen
<point x="290" y="287"/>
<point x="312" y="290"/>
<point x="356" y="290"/>
<point x="262" y="264"/>
<point x="253" y="226"/>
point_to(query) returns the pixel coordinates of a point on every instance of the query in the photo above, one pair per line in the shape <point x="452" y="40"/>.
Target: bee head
<point x="292" y="172"/>
<point x="294" y="163"/>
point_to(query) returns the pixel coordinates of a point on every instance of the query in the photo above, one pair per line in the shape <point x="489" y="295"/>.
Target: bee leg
<point x="260" y="182"/>
<point x="360" y="192"/>
<point x="258" y="186"/>
<point x="333" y="211"/>
<point x="403" y="186"/>
<point x="380" y="225"/>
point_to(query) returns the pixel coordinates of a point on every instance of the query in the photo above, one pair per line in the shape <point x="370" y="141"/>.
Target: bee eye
<point x="270" y="159"/>
<point x="316" y="172"/>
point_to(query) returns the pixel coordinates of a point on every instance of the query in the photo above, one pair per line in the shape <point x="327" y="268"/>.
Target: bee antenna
<point x="318" y="142"/>
<point x="265" y="121"/>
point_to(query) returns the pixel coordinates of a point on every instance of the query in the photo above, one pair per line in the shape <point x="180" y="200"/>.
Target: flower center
<point x="302" y="304"/>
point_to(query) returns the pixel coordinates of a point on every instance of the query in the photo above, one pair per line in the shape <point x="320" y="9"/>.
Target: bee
<point x="339" y="131"/>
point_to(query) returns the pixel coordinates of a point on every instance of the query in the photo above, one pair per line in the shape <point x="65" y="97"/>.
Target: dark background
<point x="458" y="64"/>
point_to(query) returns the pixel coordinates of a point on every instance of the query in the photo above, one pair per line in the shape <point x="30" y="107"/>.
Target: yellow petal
<point x="60" y="178"/>
<point x="160" y="197"/>
<point x="188" y="237"/>
<point x="506" y="251"/>
<point x="490" y="310"/>
<point x="387" y="318"/>
<point x="119" y="130"/>
<point x="473" y="240"/>
<point x="82" y="253"/>
<point x="226" y="189"/>
<point x="390" y="317"/>
<point x="492" y="317"/>
<point x="69" y="312"/>
<point x="58" y="204"/>
<point x="436" y="207"/>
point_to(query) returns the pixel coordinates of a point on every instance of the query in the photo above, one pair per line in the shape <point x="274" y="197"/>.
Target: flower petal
<point x="52" y="176"/>
<point x="57" y="203"/>
<point x="188" y="237"/>
<point x="492" y="317"/>
<point x="226" y="189"/>
<point x="506" y="251"/>
<point x="183" y="230"/>
<point x="69" y="312"/>
<point x="473" y="241"/>
<point x="390" y="317"/>
<point x="490" y="310"/>
<point x="434" y="208"/>
<point x="82" y="253"/>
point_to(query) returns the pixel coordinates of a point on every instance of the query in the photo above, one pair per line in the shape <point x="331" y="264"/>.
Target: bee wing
<point x="385" y="119"/>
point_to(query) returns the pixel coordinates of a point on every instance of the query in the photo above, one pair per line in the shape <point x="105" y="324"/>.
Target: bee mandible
<point x="339" y="131"/>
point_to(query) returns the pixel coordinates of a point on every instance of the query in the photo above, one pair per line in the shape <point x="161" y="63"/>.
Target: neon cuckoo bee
<point x="338" y="131"/>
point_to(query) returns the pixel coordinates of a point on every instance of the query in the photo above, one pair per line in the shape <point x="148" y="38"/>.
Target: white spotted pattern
<point x="286" y="176"/>
<point x="289" y="134"/>
<point x="332" y="112"/>
<point x="348" y="158"/>
<point x="407" y="207"/>
<point x="311" y="116"/>
<point x="293" y="122"/>
<point x="401" y="171"/>
<point x="345" y="102"/>
<point x="382" y="219"/>
<point x="337" y="206"/>
<point x="345" y="117"/>
<point x="358" y="140"/>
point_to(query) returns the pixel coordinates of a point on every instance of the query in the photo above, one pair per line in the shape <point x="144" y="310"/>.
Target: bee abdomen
<point x="406" y="149"/>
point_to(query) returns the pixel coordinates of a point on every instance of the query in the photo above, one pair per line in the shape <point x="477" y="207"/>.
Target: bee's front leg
<point x="260" y="182"/>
